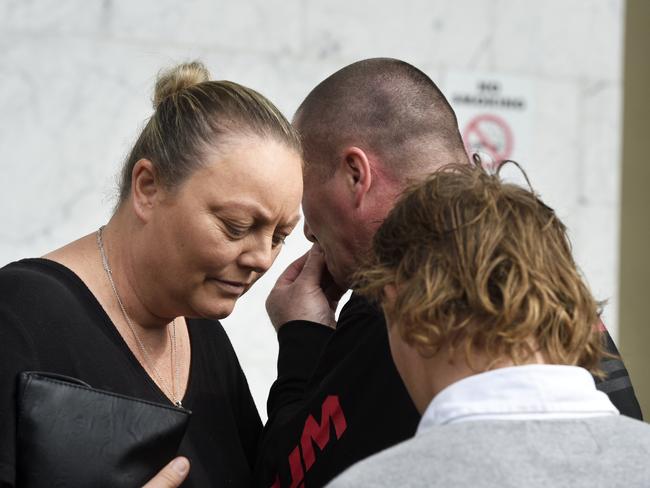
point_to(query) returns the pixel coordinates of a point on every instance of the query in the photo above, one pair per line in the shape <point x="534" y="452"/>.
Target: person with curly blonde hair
<point x="491" y="327"/>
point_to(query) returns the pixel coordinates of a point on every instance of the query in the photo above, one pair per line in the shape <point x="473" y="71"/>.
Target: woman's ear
<point x="356" y="168"/>
<point x="144" y="188"/>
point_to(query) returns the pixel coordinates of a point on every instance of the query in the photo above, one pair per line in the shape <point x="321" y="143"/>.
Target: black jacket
<point x="338" y="399"/>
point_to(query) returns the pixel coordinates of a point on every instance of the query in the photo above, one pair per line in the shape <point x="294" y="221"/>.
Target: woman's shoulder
<point x="36" y="280"/>
<point x="34" y="293"/>
<point x="33" y="271"/>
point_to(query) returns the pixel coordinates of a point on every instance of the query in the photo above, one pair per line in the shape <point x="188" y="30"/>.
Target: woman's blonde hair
<point x="193" y="115"/>
<point x="486" y="266"/>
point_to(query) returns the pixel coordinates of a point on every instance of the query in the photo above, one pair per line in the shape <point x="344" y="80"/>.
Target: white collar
<point x="535" y="391"/>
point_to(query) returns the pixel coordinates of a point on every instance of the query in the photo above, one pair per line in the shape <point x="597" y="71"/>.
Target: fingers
<point x="308" y="267"/>
<point x="298" y="294"/>
<point x="172" y="475"/>
<point x="292" y="272"/>
<point x="314" y="266"/>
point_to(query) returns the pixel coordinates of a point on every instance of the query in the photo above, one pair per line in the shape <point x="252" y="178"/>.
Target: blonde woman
<point x="208" y="194"/>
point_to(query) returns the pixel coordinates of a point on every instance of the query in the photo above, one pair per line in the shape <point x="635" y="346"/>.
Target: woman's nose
<point x="259" y="257"/>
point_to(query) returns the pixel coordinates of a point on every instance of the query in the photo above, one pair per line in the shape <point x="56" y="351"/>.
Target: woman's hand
<point x="172" y="475"/>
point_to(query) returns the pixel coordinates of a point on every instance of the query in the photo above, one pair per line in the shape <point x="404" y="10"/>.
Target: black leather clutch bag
<point x="70" y="434"/>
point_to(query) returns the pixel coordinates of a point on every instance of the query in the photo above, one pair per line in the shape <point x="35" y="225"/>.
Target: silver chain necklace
<point x="173" y="356"/>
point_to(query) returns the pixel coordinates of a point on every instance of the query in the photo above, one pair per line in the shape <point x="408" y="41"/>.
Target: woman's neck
<point x="127" y="258"/>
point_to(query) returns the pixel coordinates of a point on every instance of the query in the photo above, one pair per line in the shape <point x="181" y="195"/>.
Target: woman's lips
<point x="232" y="287"/>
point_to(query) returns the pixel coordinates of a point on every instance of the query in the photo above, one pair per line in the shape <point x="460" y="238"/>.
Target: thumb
<point x="290" y="274"/>
<point x="172" y="475"/>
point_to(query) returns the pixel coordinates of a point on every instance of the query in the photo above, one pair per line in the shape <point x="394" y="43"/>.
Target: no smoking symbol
<point x="489" y="134"/>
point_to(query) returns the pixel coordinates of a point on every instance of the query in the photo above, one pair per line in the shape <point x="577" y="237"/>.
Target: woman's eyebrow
<point x="253" y="208"/>
<point x="257" y="211"/>
<point x="292" y="222"/>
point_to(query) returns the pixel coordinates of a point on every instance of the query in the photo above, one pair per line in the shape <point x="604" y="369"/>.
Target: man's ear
<point x="144" y="188"/>
<point x="356" y="168"/>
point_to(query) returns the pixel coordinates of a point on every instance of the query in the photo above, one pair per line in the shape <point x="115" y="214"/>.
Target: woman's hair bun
<point x="177" y="78"/>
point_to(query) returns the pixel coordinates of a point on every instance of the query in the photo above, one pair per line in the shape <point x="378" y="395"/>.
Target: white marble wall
<point x="76" y="75"/>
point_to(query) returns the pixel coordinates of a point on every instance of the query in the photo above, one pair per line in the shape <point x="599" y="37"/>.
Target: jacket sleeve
<point x="300" y="346"/>
<point x="617" y="383"/>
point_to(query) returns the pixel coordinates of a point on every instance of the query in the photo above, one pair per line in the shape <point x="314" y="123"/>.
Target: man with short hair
<point x="369" y="130"/>
<point x="491" y="328"/>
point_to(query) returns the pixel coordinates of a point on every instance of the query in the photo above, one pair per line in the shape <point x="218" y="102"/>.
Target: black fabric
<point x="354" y="403"/>
<point x="50" y="321"/>
<point x="372" y="409"/>
<point x="617" y="383"/>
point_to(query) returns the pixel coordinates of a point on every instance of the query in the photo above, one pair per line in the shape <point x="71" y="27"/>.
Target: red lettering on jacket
<point x="313" y="432"/>
<point x="320" y="434"/>
<point x="295" y="465"/>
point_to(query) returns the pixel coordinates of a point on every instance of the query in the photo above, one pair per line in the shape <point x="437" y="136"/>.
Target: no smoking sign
<point x="494" y="114"/>
<point x="489" y="134"/>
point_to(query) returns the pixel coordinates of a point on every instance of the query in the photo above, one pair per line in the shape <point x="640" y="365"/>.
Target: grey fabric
<point x="611" y="451"/>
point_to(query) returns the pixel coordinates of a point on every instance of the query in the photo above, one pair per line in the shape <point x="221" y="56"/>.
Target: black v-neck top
<point x="50" y="321"/>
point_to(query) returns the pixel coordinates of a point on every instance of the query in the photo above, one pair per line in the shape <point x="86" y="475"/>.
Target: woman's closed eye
<point x="235" y="231"/>
<point x="238" y="230"/>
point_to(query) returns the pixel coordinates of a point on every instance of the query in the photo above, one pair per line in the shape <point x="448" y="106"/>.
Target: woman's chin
<point x="221" y="312"/>
<point x="215" y="309"/>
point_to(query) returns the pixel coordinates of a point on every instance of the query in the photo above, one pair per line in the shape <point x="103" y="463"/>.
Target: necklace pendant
<point x="178" y="404"/>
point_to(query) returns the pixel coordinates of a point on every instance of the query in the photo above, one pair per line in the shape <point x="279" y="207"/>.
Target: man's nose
<point x="308" y="233"/>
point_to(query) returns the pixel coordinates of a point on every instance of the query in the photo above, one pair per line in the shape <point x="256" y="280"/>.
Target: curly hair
<point x="483" y="265"/>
